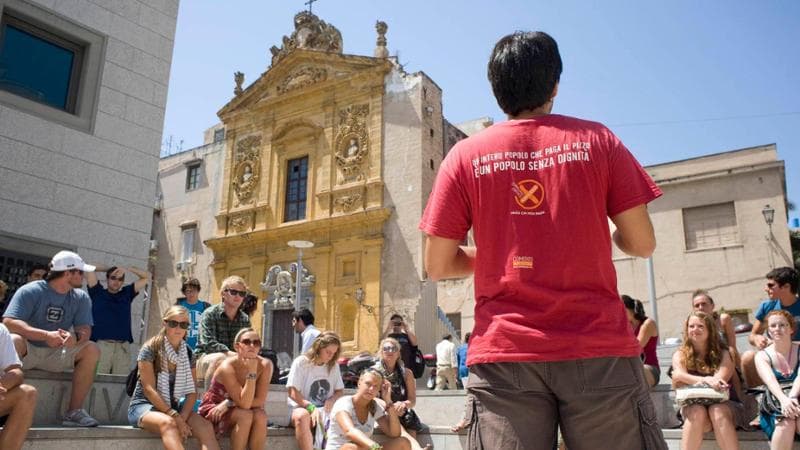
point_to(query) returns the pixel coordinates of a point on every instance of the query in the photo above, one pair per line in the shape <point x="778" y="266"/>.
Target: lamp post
<point x="769" y="217"/>
<point x="299" y="245"/>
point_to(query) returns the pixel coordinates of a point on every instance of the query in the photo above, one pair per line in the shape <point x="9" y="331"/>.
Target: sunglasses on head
<point x="249" y="342"/>
<point x="112" y="277"/>
<point x="175" y="323"/>
<point x="236" y="292"/>
<point x="389" y="348"/>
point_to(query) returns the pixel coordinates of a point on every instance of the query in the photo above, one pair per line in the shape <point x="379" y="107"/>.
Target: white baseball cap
<point x="65" y="260"/>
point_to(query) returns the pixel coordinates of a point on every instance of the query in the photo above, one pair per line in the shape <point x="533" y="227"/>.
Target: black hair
<point x="37" y="266"/>
<point x="191" y="282"/>
<point x="396" y="316"/>
<point x="635" y="306"/>
<point x="447" y="336"/>
<point x="784" y="275"/>
<point x="523" y="70"/>
<point x="249" y="304"/>
<point x="305" y="316"/>
<point x="111" y="270"/>
<point x="466" y="337"/>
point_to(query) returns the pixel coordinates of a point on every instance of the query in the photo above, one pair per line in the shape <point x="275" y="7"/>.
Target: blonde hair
<point x="241" y="333"/>
<point x="396" y="343"/>
<point x="325" y="339"/>
<point x="157" y="342"/>
<point x="713" y="357"/>
<point x="233" y="279"/>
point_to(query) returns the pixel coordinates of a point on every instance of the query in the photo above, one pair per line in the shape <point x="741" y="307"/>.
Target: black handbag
<point x="130" y="382"/>
<point x="769" y="404"/>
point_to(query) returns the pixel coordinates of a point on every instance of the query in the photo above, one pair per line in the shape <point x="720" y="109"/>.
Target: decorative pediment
<point x="310" y="33"/>
<point x="302" y="77"/>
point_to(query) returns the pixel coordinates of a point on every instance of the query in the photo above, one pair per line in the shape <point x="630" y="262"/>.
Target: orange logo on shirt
<point x="529" y="194"/>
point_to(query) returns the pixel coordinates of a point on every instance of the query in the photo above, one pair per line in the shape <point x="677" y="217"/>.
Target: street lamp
<point x="769" y="216"/>
<point x="299" y="245"/>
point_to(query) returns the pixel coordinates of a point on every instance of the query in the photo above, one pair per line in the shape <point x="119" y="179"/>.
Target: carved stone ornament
<point x="238" y="79"/>
<point x="246" y="168"/>
<point x="240" y="222"/>
<point x="347" y="203"/>
<point x="309" y="33"/>
<point x="303" y="77"/>
<point x="352" y="142"/>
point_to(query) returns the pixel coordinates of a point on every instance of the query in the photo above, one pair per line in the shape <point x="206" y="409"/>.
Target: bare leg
<point x="83" y="376"/>
<point x="242" y="420"/>
<point x="165" y="426"/>
<point x="398" y="443"/>
<point x="20" y="345"/>
<point x="19" y="403"/>
<point x="302" y="429"/>
<point x="258" y="431"/>
<point x="749" y="371"/>
<point x="722" y="422"/>
<point x="783" y="436"/>
<point x="695" y="423"/>
<point x="412" y="439"/>
<point x="203" y="431"/>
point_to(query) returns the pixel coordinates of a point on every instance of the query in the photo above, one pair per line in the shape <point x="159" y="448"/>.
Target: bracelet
<point x="230" y="403"/>
<point x="172" y="413"/>
<point x="252" y="376"/>
<point x="311" y="407"/>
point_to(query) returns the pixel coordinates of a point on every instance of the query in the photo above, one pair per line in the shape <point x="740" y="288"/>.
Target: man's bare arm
<point x="445" y="258"/>
<point x="634" y="234"/>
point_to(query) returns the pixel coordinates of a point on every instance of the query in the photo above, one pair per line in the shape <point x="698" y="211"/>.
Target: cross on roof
<point x="310" y="3"/>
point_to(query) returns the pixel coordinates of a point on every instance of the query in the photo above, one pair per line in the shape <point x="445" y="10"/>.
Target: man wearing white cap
<point x="40" y="317"/>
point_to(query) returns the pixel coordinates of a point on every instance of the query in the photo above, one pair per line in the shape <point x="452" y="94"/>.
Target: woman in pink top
<point x="646" y="333"/>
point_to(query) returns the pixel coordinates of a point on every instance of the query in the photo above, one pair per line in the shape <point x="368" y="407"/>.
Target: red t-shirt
<point x="538" y="194"/>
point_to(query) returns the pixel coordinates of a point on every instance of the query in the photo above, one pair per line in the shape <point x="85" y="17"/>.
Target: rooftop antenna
<point x="310" y="3"/>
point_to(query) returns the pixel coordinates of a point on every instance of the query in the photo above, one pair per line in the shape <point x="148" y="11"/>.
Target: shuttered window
<point x="710" y="226"/>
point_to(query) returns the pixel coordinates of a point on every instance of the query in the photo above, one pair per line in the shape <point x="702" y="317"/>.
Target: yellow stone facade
<point x="325" y="106"/>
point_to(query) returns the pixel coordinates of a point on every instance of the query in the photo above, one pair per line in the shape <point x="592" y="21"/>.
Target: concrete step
<point x="128" y="438"/>
<point x="125" y="438"/>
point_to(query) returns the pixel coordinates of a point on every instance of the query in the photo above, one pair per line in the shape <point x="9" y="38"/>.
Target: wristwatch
<point x="230" y="403"/>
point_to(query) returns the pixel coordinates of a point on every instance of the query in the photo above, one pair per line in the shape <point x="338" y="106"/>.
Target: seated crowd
<point x="52" y="324"/>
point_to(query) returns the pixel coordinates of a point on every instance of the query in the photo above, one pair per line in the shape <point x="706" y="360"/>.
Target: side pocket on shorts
<point x="652" y="437"/>
<point x="474" y="440"/>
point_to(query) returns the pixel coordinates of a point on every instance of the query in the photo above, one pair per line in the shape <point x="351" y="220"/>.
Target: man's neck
<point x="533" y="113"/>
<point x="230" y="311"/>
<point x="59" y="286"/>
<point x="788" y="300"/>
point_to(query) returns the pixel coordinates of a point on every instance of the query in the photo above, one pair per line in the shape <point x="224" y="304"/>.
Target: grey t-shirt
<point x="146" y="354"/>
<point x="38" y="305"/>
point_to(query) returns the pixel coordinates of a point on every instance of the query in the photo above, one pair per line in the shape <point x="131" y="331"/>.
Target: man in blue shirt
<point x="781" y="288"/>
<point x="111" y="310"/>
<point x="463" y="371"/>
<point x="40" y="316"/>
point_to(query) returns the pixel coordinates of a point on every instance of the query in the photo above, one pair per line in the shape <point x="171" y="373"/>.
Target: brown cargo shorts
<point x="598" y="403"/>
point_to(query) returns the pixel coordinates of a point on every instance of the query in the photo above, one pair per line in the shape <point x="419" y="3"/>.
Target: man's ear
<point x="555" y="91"/>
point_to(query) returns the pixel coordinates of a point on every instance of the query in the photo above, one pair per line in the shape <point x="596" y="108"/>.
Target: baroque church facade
<point x="336" y="149"/>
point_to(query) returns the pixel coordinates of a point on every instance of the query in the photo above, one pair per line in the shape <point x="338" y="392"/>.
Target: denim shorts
<point x="136" y="412"/>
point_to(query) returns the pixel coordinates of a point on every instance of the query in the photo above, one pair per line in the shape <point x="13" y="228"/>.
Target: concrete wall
<point x="412" y="110"/>
<point x="93" y="191"/>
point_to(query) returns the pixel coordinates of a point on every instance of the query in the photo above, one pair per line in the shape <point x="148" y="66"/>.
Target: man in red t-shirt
<point x="551" y="343"/>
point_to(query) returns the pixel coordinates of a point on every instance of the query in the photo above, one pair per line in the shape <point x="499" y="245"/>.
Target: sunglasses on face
<point x="175" y="323"/>
<point x="236" y="292"/>
<point x="771" y="284"/>
<point x="113" y="278"/>
<point x="389" y="348"/>
<point x="249" y="342"/>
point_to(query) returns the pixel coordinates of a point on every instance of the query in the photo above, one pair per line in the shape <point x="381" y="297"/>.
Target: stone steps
<point x="127" y="438"/>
